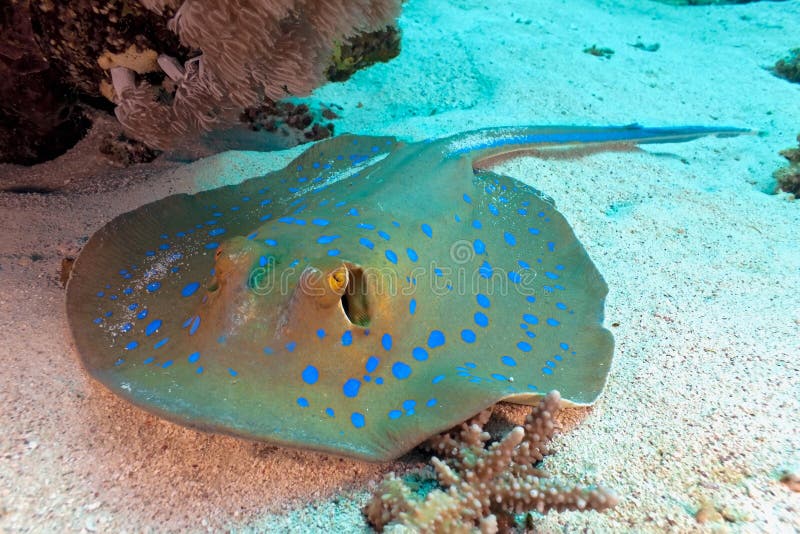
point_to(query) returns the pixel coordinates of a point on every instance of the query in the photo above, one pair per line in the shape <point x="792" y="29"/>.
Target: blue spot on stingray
<point x="437" y="379"/>
<point x="187" y="322"/>
<point x="150" y="253"/>
<point x="493" y="210"/>
<point x="353" y="212"/>
<point x="347" y="338"/>
<point x="303" y="402"/>
<point x="366" y="226"/>
<point x="153" y="286"/>
<point x="409" y="405"/>
<point x="395" y="414"/>
<point x="232" y="372"/>
<point x="152" y="327"/>
<point x="551" y="276"/>
<point x="268" y="350"/>
<point x="372" y="363"/>
<point x="366" y="243"/>
<point x="357" y="419"/>
<point x="471" y="365"/>
<point x="479" y="246"/>
<point x="477" y="224"/>
<point x="551" y="246"/>
<point x="547" y="370"/>
<point x="468" y="335"/>
<point x="426" y="229"/>
<point x="508" y="360"/>
<point x="563" y="346"/>
<point x="384" y="235"/>
<point x="216" y="232"/>
<point x="391" y="256"/>
<point x="161" y="343"/>
<point x="530" y="319"/>
<point x="189" y="289"/>
<point x="498" y="376"/>
<point x="270" y="242"/>
<point x="412" y="254"/>
<point x="149" y="360"/>
<point x="401" y="371"/>
<point x="212" y="245"/>
<point x="379" y="380"/>
<point x="515" y="277"/>
<point x="142" y="314"/>
<point x="483" y="300"/>
<point x="320" y="222"/>
<point x="351" y="387"/>
<point x="325" y="239"/>
<point x="419" y="354"/>
<point x="193" y="357"/>
<point x="530" y="298"/>
<point x="334" y="252"/>
<point x="467" y="199"/>
<point x="291" y="345"/>
<point x="321" y="333"/>
<point x="435" y="339"/>
<point x="510" y="239"/>
<point x="386" y="341"/>
<point x="195" y="325"/>
<point x="552" y="322"/>
<point x="561" y="306"/>
<point x="481" y="319"/>
<point x="534" y="231"/>
<point x="101" y="294"/>
<point x="524" y="264"/>
<point x="524" y="346"/>
<point x="485" y="269"/>
<point x="412" y="306"/>
<point x="310" y="375"/>
<point x="329" y="412"/>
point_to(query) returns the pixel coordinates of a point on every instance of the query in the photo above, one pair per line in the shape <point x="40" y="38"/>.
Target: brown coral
<point x="484" y="485"/>
<point x="788" y="177"/>
<point x="251" y="50"/>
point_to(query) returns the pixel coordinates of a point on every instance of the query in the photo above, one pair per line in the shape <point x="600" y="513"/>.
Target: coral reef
<point x="362" y="51"/>
<point x="486" y="484"/>
<point x="58" y="57"/>
<point x="789" y="67"/>
<point x="789" y="177"/>
<point x="249" y="50"/>
<point x="289" y="119"/>
<point x="38" y="113"/>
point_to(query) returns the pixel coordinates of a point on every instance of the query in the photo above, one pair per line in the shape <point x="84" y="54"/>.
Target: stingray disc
<point x="366" y="297"/>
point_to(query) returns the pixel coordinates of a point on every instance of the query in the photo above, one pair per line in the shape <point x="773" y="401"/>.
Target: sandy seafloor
<point x="702" y="407"/>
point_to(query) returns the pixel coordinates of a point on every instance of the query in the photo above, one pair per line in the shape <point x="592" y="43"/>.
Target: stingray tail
<point x="573" y="141"/>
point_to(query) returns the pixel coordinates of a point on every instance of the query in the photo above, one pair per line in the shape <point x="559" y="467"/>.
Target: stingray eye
<point x="338" y="280"/>
<point x="218" y="253"/>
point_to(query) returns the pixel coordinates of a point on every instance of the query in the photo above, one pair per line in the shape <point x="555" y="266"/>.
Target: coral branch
<point x="482" y="487"/>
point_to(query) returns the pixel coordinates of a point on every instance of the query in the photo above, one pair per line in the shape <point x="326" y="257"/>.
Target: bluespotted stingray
<point x="369" y="295"/>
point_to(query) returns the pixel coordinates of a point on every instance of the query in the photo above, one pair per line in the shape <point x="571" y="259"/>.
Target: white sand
<point x="703" y="402"/>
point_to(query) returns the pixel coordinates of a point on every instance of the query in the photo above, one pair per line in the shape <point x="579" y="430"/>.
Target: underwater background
<point x="697" y="429"/>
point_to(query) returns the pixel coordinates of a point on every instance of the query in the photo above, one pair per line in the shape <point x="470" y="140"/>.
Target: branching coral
<point x="485" y="485"/>
<point x="251" y="50"/>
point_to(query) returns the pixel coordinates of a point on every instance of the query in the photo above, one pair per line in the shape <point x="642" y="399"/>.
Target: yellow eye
<point x="338" y="279"/>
